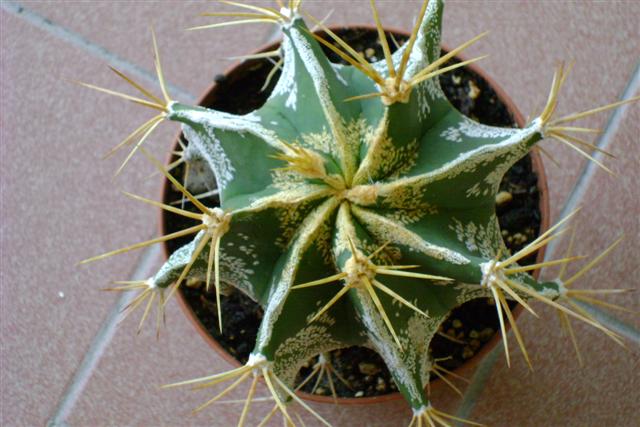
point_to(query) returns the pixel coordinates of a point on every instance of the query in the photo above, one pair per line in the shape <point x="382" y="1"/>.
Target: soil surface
<point x="469" y="326"/>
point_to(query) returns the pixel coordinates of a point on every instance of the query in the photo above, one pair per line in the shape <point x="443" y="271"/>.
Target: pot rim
<point x="468" y="367"/>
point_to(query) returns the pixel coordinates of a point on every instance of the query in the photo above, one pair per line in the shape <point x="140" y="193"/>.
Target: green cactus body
<point x="417" y="176"/>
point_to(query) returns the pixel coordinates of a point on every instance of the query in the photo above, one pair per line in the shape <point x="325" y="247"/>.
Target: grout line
<point x="94" y="49"/>
<point x="478" y="381"/>
<point x="575" y="197"/>
<point x="101" y="341"/>
<point x="606" y="139"/>
<point x="611" y="322"/>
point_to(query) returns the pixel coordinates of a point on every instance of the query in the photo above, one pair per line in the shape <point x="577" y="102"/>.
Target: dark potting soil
<point x="469" y="326"/>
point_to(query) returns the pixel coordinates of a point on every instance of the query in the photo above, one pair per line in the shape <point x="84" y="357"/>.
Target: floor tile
<point x="605" y="390"/>
<point x="59" y="206"/>
<point x="525" y="43"/>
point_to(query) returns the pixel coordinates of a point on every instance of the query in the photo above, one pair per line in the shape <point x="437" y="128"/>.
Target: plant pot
<point x="218" y="93"/>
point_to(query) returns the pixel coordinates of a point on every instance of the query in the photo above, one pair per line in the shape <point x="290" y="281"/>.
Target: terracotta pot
<point x="467" y="369"/>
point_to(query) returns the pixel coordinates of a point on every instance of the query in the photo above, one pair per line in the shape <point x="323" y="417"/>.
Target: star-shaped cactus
<point x="357" y="207"/>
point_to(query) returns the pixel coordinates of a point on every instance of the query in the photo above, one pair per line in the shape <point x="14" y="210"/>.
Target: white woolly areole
<point x="285" y="11"/>
<point x="489" y="273"/>
<point x="151" y="283"/>
<point x="322" y="360"/>
<point x="357" y="268"/>
<point x="419" y="411"/>
<point x="538" y="126"/>
<point x="216" y="220"/>
<point x="256" y="360"/>
<point x="562" y="289"/>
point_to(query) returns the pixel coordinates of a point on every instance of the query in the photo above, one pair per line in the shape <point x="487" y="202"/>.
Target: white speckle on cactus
<point x="287" y="83"/>
<point x="467" y="292"/>
<point x="282" y="285"/>
<point x="474" y="129"/>
<point x="339" y="68"/>
<point x="419" y="329"/>
<point x="381" y="338"/>
<point x="452" y="134"/>
<point x="388" y="230"/>
<point x="219" y="162"/>
<point x="549" y="293"/>
<point x="474" y="191"/>
<point x="514" y="146"/>
<point x="306" y="343"/>
<point x="482" y="238"/>
<point x="562" y="289"/>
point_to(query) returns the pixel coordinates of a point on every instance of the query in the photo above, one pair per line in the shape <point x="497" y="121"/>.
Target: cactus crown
<point x="357" y="207"/>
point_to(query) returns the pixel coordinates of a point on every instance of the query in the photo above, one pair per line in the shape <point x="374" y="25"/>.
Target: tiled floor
<point x="60" y="204"/>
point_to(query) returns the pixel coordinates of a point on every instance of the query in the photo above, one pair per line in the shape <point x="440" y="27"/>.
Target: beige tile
<point x="190" y="59"/>
<point x="525" y="43"/>
<point x="59" y="206"/>
<point x="605" y="390"/>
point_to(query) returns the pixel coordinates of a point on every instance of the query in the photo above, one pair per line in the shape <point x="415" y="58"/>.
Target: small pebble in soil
<point x="381" y="385"/>
<point x="467" y="353"/>
<point x="486" y="334"/>
<point x="456" y="324"/>
<point x="368" y="368"/>
<point x="519" y="238"/>
<point x="193" y="282"/>
<point x="369" y="52"/>
<point x="503" y="197"/>
<point x="359" y="393"/>
<point x="474" y="90"/>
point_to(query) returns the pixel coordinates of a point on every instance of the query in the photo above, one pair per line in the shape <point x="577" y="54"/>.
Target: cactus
<point x="357" y="207"/>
